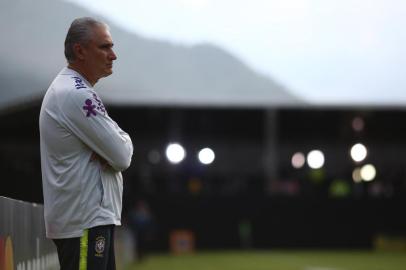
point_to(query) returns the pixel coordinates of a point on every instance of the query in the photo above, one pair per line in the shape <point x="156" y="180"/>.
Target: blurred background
<point x="257" y="125"/>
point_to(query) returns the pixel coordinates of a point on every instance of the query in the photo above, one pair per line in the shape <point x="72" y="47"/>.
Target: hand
<point x="104" y="164"/>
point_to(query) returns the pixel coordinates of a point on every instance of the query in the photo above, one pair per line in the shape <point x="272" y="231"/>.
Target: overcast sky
<point x="326" y="51"/>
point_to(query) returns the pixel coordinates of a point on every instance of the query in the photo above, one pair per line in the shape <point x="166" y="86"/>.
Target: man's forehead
<point x="102" y="34"/>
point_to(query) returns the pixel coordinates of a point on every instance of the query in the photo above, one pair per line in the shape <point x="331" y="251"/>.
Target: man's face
<point x="99" y="54"/>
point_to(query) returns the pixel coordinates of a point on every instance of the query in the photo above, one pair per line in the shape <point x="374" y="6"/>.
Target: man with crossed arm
<point x="83" y="152"/>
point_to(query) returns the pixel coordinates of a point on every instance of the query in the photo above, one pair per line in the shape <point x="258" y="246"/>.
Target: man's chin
<point x="108" y="72"/>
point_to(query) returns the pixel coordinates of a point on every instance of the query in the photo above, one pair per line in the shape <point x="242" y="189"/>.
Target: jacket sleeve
<point x="85" y="115"/>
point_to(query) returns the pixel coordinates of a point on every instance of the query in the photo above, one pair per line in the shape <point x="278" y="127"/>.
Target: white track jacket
<point x="79" y="191"/>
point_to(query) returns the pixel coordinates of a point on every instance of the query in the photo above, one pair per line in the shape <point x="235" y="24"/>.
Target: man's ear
<point x="79" y="51"/>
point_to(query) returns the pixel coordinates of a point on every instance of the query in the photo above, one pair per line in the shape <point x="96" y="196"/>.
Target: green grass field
<point x="276" y="260"/>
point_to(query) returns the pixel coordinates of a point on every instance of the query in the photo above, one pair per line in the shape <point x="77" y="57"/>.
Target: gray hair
<point x="80" y="31"/>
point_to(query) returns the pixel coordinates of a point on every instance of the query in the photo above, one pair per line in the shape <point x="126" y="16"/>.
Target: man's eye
<point x="107" y="46"/>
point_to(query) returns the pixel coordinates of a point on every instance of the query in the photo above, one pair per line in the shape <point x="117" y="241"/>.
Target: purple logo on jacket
<point x="79" y="84"/>
<point x="89" y="108"/>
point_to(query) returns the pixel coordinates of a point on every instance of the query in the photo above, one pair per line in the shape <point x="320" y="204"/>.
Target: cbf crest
<point x="99" y="246"/>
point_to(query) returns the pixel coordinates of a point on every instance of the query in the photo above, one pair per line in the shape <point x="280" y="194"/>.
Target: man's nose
<point x="113" y="55"/>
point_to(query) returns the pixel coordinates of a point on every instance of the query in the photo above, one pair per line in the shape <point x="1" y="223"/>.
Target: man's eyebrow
<point x="106" y="45"/>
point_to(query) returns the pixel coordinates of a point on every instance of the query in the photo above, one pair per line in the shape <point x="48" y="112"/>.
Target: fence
<point x="22" y="237"/>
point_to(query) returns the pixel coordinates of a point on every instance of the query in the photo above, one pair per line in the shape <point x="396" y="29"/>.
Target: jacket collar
<point x="69" y="71"/>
